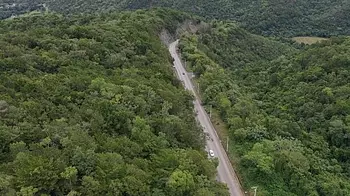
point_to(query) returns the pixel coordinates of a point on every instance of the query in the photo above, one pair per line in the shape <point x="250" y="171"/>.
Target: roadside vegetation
<point x="287" y="109"/>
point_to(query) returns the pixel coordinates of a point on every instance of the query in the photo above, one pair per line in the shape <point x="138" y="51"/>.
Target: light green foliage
<point x="69" y="173"/>
<point x="28" y="191"/>
<point x="180" y="182"/>
<point x="262" y="161"/>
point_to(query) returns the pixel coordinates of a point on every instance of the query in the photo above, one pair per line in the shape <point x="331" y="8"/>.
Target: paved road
<point x="226" y="174"/>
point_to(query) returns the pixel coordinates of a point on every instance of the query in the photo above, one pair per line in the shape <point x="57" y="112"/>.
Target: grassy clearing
<point x="308" y="40"/>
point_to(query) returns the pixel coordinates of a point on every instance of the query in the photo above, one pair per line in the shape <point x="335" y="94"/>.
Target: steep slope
<point x="90" y="106"/>
<point x="287" y="110"/>
<point x="230" y="46"/>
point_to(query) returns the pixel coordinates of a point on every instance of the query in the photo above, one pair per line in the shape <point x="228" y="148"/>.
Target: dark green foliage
<point x="274" y="17"/>
<point x="89" y="105"/>
<point x="267" y="17"/>
<point x="288" y="111"/>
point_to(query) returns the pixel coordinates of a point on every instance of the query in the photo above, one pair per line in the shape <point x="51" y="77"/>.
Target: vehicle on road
<point x="211" y="153"/>
<point x="225" y="171"/>
<point x="207" y="136"/>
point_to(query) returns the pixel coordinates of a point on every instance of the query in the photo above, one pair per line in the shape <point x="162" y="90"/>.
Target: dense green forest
<point x="287" y="109"/>
<point x="274" y="17"/>
<point x="267" y="17"/>
<point x="89" y="105"/>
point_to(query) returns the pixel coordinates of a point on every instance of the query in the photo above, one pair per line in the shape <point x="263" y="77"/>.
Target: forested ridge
<point x="89" y="105"/>
<point x="274" y="17"/>
<point x="287" y="109"/>
<point x="266" y="17"/>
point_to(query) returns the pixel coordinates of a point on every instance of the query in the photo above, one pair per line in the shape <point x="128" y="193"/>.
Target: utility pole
<point x="210" y="111"/>
<point x="227" y="144"/>
<point x="254" y="187"/>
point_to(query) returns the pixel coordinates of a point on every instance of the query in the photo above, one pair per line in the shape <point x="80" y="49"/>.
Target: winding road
<point x="226" y="174"/>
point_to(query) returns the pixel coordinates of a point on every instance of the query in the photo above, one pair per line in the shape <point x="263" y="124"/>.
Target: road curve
<point x="226" y="174"/>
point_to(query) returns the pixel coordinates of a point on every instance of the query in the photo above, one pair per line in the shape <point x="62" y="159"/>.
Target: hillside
<point x="89" y="105"/>
<point x="287" y="110"/>
<point x="274" y="17"/>
<point x="231" y="46"/>
<point x="269" y="17"/>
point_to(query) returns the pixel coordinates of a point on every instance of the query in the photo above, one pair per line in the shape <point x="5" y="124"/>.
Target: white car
<point x="211" y="153"/>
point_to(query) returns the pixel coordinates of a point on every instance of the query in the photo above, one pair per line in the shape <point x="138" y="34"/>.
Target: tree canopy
<point x="266" y="17"/>
<point x="89" y="105"/>
<point x="286" y="106"/>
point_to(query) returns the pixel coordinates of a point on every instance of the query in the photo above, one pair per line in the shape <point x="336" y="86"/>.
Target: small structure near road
<point x="191" y="74"/>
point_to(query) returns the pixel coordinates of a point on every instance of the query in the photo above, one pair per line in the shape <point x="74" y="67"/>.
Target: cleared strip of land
<point x="308" y="40"/>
